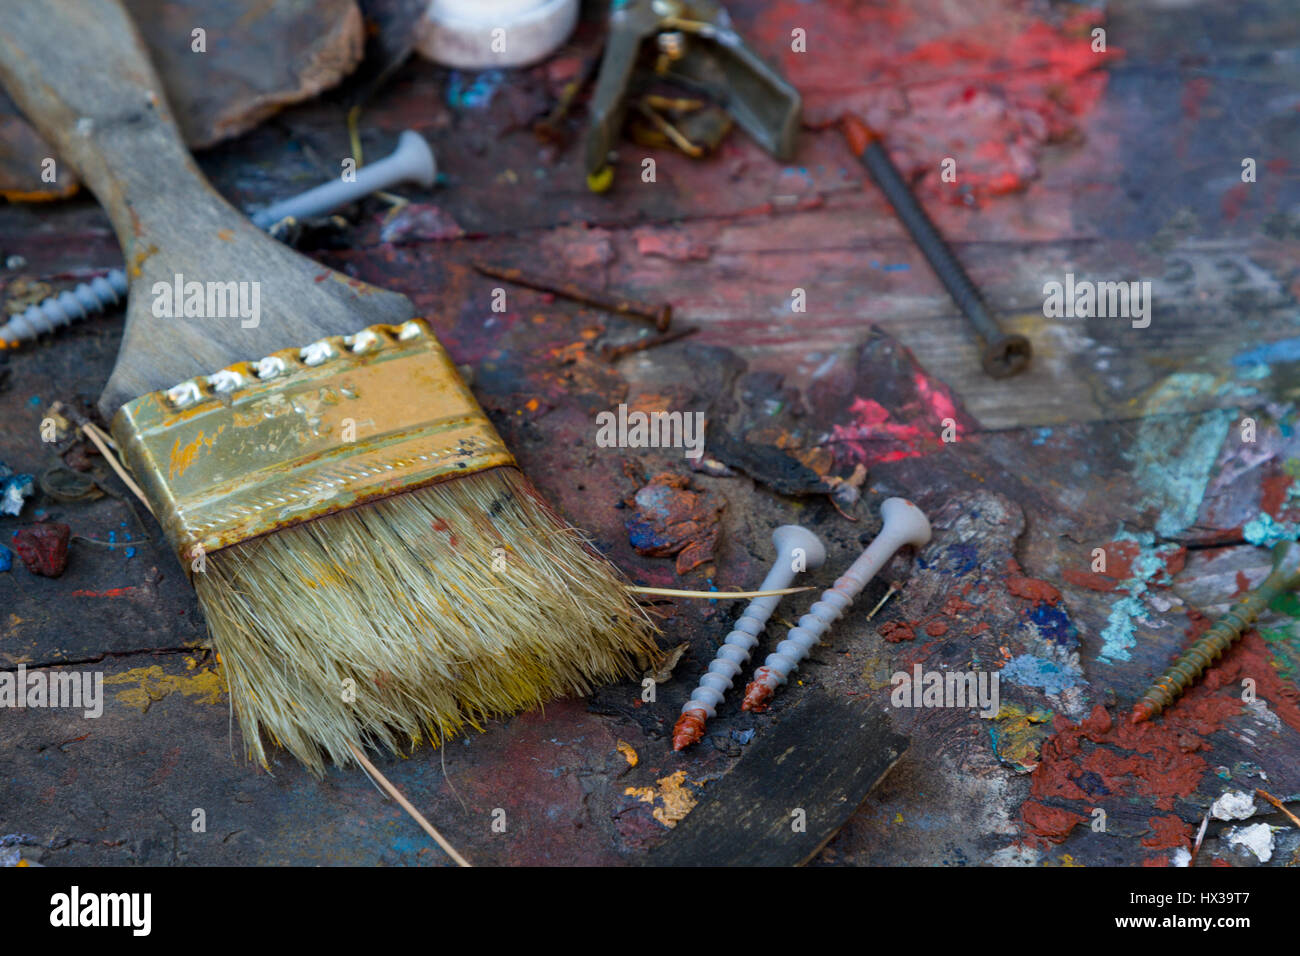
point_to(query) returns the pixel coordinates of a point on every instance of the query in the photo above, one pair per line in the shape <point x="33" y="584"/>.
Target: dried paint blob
<point x="1233" y="805"/>
<point x="43" y="548"/>
<point x="14" y="490"/>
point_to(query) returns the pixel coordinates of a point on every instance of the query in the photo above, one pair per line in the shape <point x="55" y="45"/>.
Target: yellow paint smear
<point x="152" y="684"/>
<point x="182" y="458"/>
<point x="628" y="753"/>
<point x="674" y="799"/>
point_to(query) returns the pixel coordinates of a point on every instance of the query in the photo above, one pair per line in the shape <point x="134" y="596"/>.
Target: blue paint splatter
<point x="1054" y="623"/>
<point x="6" y="559"/>
<point x="1173" y="467"/>
<point x="1287" y="350"/>
<point x="1030" y="671"/>
<point x="1092" y="784"/>
<point x="961" y="558"/>
<point x="473" y="92"/>
<point x="1043" y="435"/>
<point x="1118" y="636"/>
<point x="1266" y="530"/>
<point x="14" y="490"/>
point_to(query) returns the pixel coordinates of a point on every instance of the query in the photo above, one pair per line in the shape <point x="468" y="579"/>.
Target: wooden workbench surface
<point x="1172" y="448"/>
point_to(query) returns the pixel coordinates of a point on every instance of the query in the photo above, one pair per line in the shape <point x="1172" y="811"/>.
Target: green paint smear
<point x="1284" y="648"/>
<point x="1172" y="466"/>
<point x="1119" y="635"/>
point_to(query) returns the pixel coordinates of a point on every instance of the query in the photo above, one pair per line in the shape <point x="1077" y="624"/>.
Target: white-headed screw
<point x="904" y="523"/>
<point x="797" y="549"/>
<point x="412" y="161"/>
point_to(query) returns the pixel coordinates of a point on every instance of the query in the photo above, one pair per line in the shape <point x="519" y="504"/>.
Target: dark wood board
<point x="1115" y="431"/>
<point x="791" y="791"/>
<point x="259" y="57"/>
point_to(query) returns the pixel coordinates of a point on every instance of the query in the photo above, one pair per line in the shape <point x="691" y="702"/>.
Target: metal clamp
<point x="695" y="47"/>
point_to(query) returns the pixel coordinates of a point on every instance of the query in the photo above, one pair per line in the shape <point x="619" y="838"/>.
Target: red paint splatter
<point x="1195" y="90"/>
<point x="1272" y="494"/>
<point x="896" y="632"/>
<point x="1233" y="200"/>
<point x="936" y="627"/>
<point x="1243" y="584"/>
<point x="934" y="86"/>
<point x="43" y="548"/>
<point x="955" y="605"/>
<point x="1170" y="833"/>
<point x="1089" y="579"/>
<point x="1119" y="559"/>
<point x="1048" y="824"/>
<point x="759" y="693"/>
<point x="110" y="593"/>
<point x="440" y="524"/>
<point x="1032" y="589"/>
<point x="873" y="439"/>
<point x="689" y="728"/>
<point x="1101" y="759"/>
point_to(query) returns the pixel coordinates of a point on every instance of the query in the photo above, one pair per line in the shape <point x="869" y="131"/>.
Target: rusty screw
<point x="612" y="353"/>
<point x="1226" y="631"/>
<point x="660" y="315"/>
<point x="1005" y="353"/>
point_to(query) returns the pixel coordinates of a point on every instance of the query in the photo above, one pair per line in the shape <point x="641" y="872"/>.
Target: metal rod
<point x="1005" y="353"/>
<point x="660" y="315"/>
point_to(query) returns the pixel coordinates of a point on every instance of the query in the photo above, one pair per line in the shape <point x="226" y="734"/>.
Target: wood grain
<point x="823" y="758"/>
<point x="79" y="70"/>
<point x="259" y="57"/>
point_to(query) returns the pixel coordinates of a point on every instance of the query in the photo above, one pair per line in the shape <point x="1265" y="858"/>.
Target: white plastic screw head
<point x="905" y="522"/>
<point x="788" y="537"/>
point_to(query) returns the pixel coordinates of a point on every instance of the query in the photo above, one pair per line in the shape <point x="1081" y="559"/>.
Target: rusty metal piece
<point x="660" y="315"/>
<point x="303" y="433"/>
<point x="691" y="43"/>
<point x="612" y="353"/>
<point x="1005" y="353"/>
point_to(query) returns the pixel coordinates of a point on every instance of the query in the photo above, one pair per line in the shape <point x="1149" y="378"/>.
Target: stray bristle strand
<point x="413" y="600"/>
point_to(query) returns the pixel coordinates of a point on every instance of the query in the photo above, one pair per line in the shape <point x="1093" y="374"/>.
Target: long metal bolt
<point x="1225" y="632"/>
<point x="412" y="161"/>
<point x="796" y="547"/>
<point x="904" y="523"/>
<point x="1005" y="353"/>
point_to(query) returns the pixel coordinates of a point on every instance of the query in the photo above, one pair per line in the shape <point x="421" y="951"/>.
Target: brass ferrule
<point x="303" y="433"/>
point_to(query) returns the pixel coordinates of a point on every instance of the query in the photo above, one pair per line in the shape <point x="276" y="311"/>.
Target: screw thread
<point x="1213" y="644"/>
<point x="87" y="298"/>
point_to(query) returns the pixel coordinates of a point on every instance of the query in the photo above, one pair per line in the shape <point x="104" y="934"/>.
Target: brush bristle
<point x="411" y="617"/>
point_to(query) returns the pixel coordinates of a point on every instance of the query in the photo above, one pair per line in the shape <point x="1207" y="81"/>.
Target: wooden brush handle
<point x="80" y="73"/>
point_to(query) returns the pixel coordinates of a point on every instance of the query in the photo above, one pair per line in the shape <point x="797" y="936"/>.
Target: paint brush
<point x="373" y="566"/>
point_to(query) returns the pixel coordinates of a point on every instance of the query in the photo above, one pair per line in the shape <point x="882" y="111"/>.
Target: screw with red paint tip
<point x="797" y="549"/>
<point x="904" y="523"/>
<point x="1225" y="632"/>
